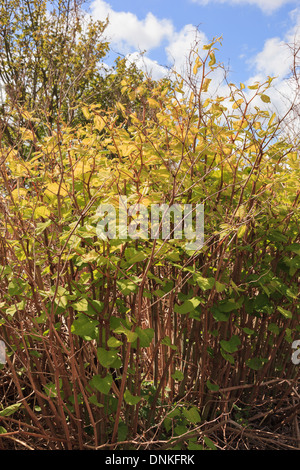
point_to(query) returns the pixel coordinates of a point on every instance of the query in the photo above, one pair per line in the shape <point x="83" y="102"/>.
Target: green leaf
<point x="81" y="305"/>
<point x="145" y="336"/>
<point x="174" y="413"/>
<point x="220" y="287"/>
<point x="220" y="316"/>
<point x="168" y="424"/>
<point x="290" y="293"/>
<point x="173" y="256"/>
<point x="285" y="313"/>
<point x="2" y="430"/>
<point x="227" y="357"/>
<point x="180" y="429"/>
<point x="95" y="307"/>
<point x="130" y="399"/>
<point x="117" y="363"/>
<point x="133" y="256"/>
<point x="209" y="443"/>
<point x="178" y="375"/>
<point x="9" y="410"/>
<point x="61" y="301"/>
<point x="193" y="445"/>
<point x="41" y="211"/>
<point x="204" y="283"/>
<point x="248" y="331"/>
<point x="106" y="358"/>
<point x="94" y="401"/>
<point x="113" y="342"/>
<point x="127" y="286"/>
<point x="277" y="236"/>
<point x="41" y="319"/>
<point x="187" y="306"/>
<point x="241" y="231"/>
<point x="16" y="287"/>
<point x="274" y="328"/>
<point x="255" y="363"/>
<point x="84" y="327"/>
<point x="130" y="335"/>
<point x="192" y="415"/>
<point x="167" y="342"/>
<point x="102" y="384"/>
<point x="50" y="389"/>
<point x="122" y="432"/>
<point x="232" y="345"/>
<point x="228" y="306"/>
<point x="158" y="293"/>
<point x="40" y="227"/>
<point x="288" y="335"/>
<point x="212" y="386"/>
<point x="11" y="310"/>
<point x="294" y="248"/>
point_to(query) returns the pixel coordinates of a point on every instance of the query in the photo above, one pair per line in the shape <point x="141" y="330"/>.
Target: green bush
<point x="137" y="340"/>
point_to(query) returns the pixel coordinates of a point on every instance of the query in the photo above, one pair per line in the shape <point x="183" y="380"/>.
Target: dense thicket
<point x="139" y="343"/>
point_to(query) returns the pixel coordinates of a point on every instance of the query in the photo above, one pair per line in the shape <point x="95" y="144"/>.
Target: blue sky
<point x="255" y="33"/>
<point x="244" y="25"/>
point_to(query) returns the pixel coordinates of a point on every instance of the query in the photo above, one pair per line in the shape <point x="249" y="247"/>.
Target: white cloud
<point x="267" y="6"/>
<point x="149" y="66"/>
<point x="177" y="52"/>
<point x="179" y="47"/>
<point x="276" y="60"/>
<point x="130" y="35"/>
<point x="127" y="33"/>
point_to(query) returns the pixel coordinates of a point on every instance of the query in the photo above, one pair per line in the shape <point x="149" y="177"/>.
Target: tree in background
<point x="51" y="61"/>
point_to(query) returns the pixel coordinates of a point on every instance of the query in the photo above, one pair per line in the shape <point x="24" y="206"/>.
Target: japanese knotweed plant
<point x="105" y="337"/>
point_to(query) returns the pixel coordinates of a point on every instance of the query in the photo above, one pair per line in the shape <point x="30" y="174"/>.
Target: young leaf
<point x="130" y="399"/>
<point x="113" y="342"/>
<point x="192" y="415"/>
<point x="84" y="327"/>
<point x="187" y="306"/>
<point x="212" y="386"/>
<point x="178" y="375"/>
<point x="9" y="410"/>
<point x="106" y="358"/>
<point x="232" y="345"/>
<point x="284" y="312"/>
<point x="102" y="384"/>
<point x="255" y="363"/>
<point x="209" y="443"/>
<point x="205" y="283"/>
<point x="265" y="98"/>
